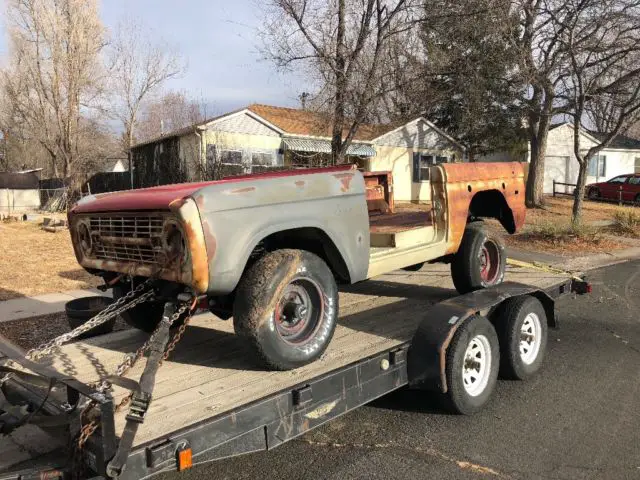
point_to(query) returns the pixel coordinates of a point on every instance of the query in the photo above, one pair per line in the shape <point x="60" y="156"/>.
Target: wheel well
<point x="492" y="204"/>
<point x="310" y="239"/>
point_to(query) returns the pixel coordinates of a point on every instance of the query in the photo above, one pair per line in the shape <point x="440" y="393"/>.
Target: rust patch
<point x="300" y="183"/>
<point x="345" y="180"/>
<point x="187" y="212"/>
<point x="480" y="177"/>
<point x="209" y="240"/>
<point x="200" y="201"/>
<point x="238" y="191"/>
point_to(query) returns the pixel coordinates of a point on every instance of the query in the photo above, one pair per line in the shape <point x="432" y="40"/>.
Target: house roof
<point x="619" y="141"/>
<point x="295" y="121"/>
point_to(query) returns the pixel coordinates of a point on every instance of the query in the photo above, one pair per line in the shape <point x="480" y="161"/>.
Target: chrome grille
<point x="135" y="238"/>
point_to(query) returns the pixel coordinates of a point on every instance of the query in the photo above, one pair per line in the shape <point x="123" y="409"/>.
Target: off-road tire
<point x="509" y="326"/>
<point x="466" y="268"/>
<point x="457" y="399"/>
<point x="258" y="318"/>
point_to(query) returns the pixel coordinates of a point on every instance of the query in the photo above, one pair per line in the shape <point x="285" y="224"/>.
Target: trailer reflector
<point x="185" y="460"/>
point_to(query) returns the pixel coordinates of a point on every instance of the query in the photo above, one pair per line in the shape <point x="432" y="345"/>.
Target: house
<point x="112" y="165"/>
<point x="620" y="157"/>
<point x="263" y="137"/>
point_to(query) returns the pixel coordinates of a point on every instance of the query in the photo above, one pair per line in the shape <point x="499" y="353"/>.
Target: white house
<point x="260" y="137"/>
<point x="622" y="156"/>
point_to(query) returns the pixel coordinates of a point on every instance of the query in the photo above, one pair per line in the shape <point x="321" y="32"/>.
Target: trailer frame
<point x="282" y="416"/>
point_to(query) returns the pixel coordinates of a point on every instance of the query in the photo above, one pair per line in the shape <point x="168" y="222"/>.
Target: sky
<point x="219" y="42"/>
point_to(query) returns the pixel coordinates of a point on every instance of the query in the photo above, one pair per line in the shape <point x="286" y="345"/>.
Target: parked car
<point x="629" y="185"/>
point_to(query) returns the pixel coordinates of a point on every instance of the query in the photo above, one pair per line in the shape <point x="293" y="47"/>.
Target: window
<point x="421" y="164"/>
<point x="634" y="180"/>
<point x="231" y="157"/>
<point x="262" y="158"/>
<point x="598" y="166"/>
<point x="637" y="165"/>
<point x="620" y="179"/>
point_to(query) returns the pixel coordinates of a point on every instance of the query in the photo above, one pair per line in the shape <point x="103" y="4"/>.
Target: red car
<point x="628" y="184"/>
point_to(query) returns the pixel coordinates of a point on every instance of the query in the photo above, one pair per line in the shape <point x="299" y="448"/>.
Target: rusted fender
<point x="465" y="180"/>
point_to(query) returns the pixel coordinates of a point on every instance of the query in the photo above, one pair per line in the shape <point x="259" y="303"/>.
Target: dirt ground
<point x="34" y="262"/>
<point x="558" y="210"/>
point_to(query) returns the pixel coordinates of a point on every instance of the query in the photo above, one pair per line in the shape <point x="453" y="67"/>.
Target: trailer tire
<point x="480" y="261"/>
<point x="286" y="306"/>
<point x="521" y="358"/>
<point x="470" y="386"/>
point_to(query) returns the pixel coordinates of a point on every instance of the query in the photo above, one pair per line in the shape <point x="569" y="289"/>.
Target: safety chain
<point x="128" y="363"/>
<point x="113" y="310"/>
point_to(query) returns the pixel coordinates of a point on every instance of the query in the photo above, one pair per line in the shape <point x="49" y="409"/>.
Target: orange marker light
<point x="184" y="459"/>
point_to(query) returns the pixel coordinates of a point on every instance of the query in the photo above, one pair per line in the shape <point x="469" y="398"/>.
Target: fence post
<point x="620" y="197"/>
<point x="554" y="188"/>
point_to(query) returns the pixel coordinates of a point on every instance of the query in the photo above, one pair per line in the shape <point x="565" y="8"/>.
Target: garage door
<point x="555" y="168"/>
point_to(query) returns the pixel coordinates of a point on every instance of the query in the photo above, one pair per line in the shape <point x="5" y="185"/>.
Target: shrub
<point x="626" y="221"/>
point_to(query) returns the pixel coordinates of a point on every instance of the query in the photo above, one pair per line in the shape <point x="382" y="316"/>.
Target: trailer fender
<point x="428" y="350"/>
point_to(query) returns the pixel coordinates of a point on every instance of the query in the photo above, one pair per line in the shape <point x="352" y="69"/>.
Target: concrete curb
<point x="50" y="303"/>
<point x="599" y="260"/>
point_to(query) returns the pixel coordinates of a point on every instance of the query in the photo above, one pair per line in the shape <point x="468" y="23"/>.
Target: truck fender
<point x="427" y="355"/>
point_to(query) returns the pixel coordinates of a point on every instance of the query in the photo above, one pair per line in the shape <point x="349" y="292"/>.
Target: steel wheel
<point x="530" y="338"/>
<point x="476" y="367"/>
<point x="489" y="262"/>
<point x="299" y="310"/>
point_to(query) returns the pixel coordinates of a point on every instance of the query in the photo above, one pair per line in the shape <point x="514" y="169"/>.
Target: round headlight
<point x="173" y="241"/>
<point x="84" y="239"/>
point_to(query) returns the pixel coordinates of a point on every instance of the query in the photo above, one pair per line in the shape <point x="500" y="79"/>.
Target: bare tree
<point x="53" y="73"/>
<point x="138" y="68"/>
<point x="169" y="112"/>
<point x="602" y="42"/>
<point x="340" y="45"/>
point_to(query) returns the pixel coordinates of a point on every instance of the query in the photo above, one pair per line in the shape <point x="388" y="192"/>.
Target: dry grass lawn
<point x="33" y="262"/>
<point x="558" y="210"/>
<point x="549" y="229"/>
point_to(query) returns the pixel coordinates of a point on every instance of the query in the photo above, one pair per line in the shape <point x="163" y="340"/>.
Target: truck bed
<point x="209" y="373"/>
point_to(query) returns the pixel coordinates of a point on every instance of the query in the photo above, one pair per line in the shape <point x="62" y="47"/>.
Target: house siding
<point x="394" y="152"/>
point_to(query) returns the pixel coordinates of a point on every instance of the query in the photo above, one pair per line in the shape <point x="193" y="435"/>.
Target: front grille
<point x="128" y="238"/>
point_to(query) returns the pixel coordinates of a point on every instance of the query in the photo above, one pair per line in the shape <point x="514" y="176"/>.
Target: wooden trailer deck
<point x="209" y="373"/>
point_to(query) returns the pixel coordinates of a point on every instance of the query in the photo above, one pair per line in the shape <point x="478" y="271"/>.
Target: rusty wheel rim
<point x="299" y="310"/>
<point x="489" y="262"/>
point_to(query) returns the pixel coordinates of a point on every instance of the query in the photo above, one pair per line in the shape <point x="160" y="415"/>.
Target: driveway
<point x="578" y="419"/>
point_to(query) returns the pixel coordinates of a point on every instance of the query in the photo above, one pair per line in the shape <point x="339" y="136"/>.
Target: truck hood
<point x="153" y="198"/>
<point x="159" y="198"/>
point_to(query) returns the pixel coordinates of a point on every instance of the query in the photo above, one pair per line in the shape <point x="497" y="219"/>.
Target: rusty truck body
<point x="270" y="249"/>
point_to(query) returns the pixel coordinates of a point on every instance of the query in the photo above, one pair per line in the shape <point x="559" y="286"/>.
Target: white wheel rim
<point x="476" y="367"/>
<point x="530" y="338"/>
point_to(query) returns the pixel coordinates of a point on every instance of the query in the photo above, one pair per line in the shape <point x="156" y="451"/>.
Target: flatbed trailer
<point x="211" y="401"/>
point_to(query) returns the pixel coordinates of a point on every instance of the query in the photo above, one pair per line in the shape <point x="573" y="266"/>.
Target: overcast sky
<point x="218" y="40"/>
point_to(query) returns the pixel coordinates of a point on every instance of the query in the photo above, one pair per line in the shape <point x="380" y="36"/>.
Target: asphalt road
<point x="578" y="419"/>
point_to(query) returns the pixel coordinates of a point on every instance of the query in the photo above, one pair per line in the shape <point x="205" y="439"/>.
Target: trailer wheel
<point x="286" y="306"/>
<point x="480" y="261"/>
<point x="473" y="358"/>
<point x="521" y="324"/>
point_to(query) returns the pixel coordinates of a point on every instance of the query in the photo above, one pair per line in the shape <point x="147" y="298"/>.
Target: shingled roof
<point x="619" y="141"/>
<point x="294" y="121"/>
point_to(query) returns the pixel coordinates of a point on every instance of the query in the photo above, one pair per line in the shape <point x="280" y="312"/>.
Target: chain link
<point x="113" y="310"/>
<point x="129" y="361"/>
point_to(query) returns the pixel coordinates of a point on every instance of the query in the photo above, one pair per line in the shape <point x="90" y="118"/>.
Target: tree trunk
<point x="578" y="196"/>
<point x="539" y="132"/>
<point x="341" y="85"/>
